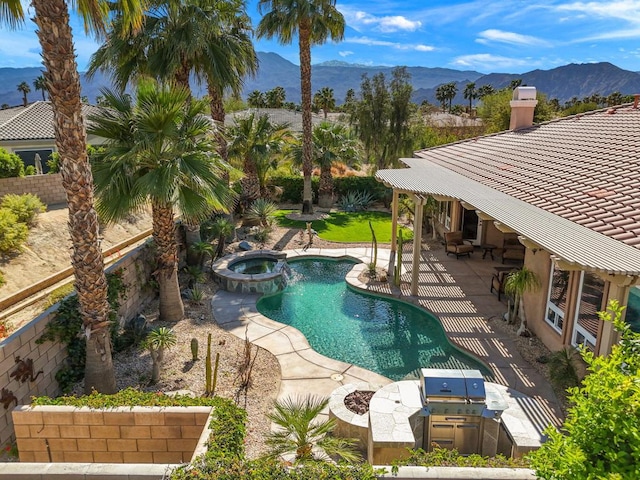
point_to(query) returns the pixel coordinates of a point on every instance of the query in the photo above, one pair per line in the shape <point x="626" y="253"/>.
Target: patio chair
<point x="456" y="245"/>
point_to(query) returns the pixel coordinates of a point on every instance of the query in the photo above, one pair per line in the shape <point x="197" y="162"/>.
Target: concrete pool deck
<point x="455" y="290"/>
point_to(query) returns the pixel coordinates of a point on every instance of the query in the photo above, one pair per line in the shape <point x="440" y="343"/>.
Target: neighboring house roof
<point x="558" y="183"/>
<point x="443" y="119"/>
<point x="276" y="115"/>
<point x="33" y="122"/>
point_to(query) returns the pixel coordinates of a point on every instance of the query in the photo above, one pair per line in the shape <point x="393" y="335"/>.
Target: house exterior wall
<point x="48" y="188"/>
<point x="50" y="356"/>
<point x="536" y="302"/>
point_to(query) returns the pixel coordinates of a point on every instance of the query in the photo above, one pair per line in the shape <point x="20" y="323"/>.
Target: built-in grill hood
<point x="447" y="391"/>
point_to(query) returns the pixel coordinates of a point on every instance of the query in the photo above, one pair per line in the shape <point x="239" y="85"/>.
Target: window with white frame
<point x="445" y="214"/>
<point x="557" y="299"/>
<point x="587" y="322"/>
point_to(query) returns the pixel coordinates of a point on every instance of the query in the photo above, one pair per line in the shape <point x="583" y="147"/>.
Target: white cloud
<point x="357" y="19"/>
<point x="345" y="53"/>
<point x="371" y="42"/>
<point x="489" y="62"/>
<point x="628" y="10"/>
<point x="494" y="35"/>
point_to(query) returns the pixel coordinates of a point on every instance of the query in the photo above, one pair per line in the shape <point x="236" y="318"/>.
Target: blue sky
<point x="485" y="35"/>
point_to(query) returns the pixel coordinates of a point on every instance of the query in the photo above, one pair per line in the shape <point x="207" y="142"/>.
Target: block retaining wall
<point x="50" y="356"/>
<point x="47" y="187"/>
<point x="120" y="435"/>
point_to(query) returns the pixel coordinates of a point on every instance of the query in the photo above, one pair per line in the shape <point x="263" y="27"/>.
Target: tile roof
<point x="33" y="122"/>
<point x="584" y="168"/>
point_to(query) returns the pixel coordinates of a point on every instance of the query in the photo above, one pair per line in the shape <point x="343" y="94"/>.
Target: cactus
<point x="194" y="349"/>
<point x="374" y="248"/>
<point x="207" y="368"/>
<point x="398" y="270"/>
<point x="215" y="374"/>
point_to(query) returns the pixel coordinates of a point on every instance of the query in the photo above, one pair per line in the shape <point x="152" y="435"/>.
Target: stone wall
<point x="49" y="356"/>
<point x="118" y="435"/>
<point x="47" y="187"/>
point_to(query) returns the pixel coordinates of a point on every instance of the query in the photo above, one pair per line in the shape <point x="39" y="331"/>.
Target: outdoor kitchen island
<point x="453" y="409"/>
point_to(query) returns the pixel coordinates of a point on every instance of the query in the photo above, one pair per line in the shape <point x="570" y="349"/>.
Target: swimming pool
<point x="385" y="336"/>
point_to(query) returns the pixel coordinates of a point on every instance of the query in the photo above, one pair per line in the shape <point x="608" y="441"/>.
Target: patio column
<point x="394" y="233"/>
<point x="417" y="242"/>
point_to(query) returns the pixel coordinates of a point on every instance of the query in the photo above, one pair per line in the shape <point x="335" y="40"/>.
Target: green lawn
<point x="348" y="226"/>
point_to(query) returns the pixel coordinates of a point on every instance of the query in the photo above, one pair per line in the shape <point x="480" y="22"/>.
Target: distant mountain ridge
<point x="563" y="83"/>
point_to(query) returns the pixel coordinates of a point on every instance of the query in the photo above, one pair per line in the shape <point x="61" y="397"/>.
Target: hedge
<point x="292" y="187"/>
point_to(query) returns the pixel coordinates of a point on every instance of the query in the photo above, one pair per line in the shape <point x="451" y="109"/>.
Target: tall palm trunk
<point x="325" y="189"/>
<point x="61" y="72"/>
<point x="250" y="182"/>
<point x="305" y="88"/>
<point x="218" y="114"/>
<point x="164" y="236"/>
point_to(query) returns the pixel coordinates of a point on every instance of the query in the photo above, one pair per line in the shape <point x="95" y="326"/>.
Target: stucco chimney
<point x="522" y="106"/>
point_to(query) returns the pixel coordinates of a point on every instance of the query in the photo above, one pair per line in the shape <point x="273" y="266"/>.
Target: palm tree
<point x="157" y="342"/>
<point x="254" y="139"/>
<point x="324" y="100"/>
<point x="208" y="37"/>
<point x="256" y="99"/>
<point x="516" y="284"/>
<point x="158" y="150"/>
<point x="470" y="94"/>
<point x="301" y="432"/>
<point x="485" y="90"/>
<point x="40" y="84"/>
<point x="275" y="97"/>
<point x="24" y="88"/>
<point x="314" y="21"/>
<point x="61" y="73"/>
<point x="332" y="142"/>
<point x="221" y="228"/>
<point x="441" y="96"/>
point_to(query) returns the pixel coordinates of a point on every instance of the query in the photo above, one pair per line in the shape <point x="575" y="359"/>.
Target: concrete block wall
<point x="119" y="435"/>
<point x="47" y="187"/>
<point x="49" y="356"/>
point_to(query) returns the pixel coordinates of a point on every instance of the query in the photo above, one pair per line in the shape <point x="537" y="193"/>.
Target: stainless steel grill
<point x="454" y="402"/>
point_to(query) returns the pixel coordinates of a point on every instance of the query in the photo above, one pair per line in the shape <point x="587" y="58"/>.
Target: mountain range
<point x="563" y="83"/>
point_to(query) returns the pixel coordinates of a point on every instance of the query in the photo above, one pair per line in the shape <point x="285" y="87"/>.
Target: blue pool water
<point x="382" y="335"/>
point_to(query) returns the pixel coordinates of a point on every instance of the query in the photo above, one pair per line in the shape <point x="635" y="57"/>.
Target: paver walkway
<point x="456" y="290"/>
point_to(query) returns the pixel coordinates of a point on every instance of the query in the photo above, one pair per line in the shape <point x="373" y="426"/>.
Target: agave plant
<point x="356" y="200"/>
<point x="263" y="211"/>
<point x="302" y="434"/>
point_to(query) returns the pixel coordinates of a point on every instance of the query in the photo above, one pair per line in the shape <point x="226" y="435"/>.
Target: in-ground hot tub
<point x="259" y="271"/>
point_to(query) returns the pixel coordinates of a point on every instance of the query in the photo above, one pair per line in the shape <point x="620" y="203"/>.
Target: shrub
<point x="26" y="207"/>
<point x="54" y="162"/>
<point x="29" y="170"/>
<point x="3" y="281"/>
<point x="12" y="232"/>
<point x="11" y="165"/>
<point x="599" y="438"/>
<point x="292" y="187"/>
<point x="342" y="185"/>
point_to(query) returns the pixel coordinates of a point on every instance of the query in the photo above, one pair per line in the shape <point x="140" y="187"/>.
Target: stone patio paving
<point x="456" y="290"/>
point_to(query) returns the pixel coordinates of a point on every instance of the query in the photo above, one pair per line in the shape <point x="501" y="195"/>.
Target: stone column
<point x="417" y="243"/>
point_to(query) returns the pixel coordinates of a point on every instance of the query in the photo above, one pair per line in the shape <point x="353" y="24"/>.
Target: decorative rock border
<point x="266" y="283"/>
